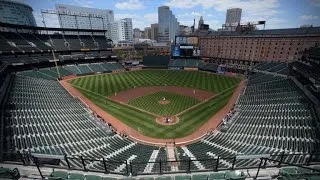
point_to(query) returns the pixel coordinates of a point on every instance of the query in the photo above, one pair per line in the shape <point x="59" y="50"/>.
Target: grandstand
<point x="273" y="122"/>
<point x="272" y="116"/>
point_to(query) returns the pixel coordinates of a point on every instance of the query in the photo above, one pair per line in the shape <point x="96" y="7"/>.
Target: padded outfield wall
<point x="156" y="61"/>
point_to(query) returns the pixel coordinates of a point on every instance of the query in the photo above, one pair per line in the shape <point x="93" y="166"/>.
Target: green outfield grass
<point x="177" y="103"/>
<point x="98" y="87"/>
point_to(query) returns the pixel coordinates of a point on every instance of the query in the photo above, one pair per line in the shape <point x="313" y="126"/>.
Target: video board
<point x="194" y="40"/>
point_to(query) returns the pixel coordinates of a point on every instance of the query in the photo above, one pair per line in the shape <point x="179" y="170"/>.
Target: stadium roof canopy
<point x="6" y="25"/>
<point x="289" y="31"/>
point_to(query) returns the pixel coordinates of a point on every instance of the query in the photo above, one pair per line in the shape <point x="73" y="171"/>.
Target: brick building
<point x="261" y="45"/>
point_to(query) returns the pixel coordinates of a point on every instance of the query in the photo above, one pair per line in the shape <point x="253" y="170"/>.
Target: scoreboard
<point x="194" y="40"/>
<point x="186" y="46"/>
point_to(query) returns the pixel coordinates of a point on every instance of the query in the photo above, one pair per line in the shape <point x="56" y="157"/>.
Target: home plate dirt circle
<point x="167" y="120"/>
<point x="164" y="102"/>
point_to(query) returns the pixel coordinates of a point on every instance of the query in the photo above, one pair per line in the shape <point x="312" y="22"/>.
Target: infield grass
<point x="151" y="103"/>
<point x="96" y="88"/>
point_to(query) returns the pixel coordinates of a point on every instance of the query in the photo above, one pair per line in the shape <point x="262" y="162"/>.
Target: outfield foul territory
<point x="98" y="90"/>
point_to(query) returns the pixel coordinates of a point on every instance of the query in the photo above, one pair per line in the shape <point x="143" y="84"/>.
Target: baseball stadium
<point x="72" y="109"/>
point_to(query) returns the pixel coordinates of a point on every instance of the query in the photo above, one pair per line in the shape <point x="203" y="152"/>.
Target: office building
<point x="13" y="12"/>
<point x="233" y="16"/>
<point x="121" y="31"/>
<point x="154" y="31"/>
<point x="168" y="25"/>
<point x="184" y="30"/>
<point x="147" y="33"/>
<point x="136" y="33"/>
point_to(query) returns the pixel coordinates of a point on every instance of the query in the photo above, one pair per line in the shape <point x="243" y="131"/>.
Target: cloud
<point x="151" y="17"/>
<point x="51" y="20"/>
<point x="130" y="5"/>
<point x="83" y="3"/>
<point x="193" y="14"/>
<point x="308" y="17"/>
<point x="251" y="9"/>
<point x="185" y="4"/>
<point x="315" y="3"/>
<point x="125" y="15"/>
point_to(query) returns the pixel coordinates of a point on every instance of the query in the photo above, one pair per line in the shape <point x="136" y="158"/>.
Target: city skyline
<point x="278" y="14"/>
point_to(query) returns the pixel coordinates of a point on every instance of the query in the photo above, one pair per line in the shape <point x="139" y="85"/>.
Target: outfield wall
<point x="156" y="61"/>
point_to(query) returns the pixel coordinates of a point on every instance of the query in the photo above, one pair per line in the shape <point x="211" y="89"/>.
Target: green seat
<point x="313" y="178"/>
<point x="110" y="178"/>
<point x="76" y="176"/>
<point x="2" y="170"/>
<point x="59" y="174"/>
<point x="146" y="178"/>
<point x="289" y="172"/>
<point x="200" y="177"/>
<point x="93" y="177"/>
<point x="234" y="175"/>
<point x="217" y="176"/>
<point x="164" y="178"/>
<point x="304" y="171"/>
<point x="123" y="179"/>
<point x="186" y="177"/>
<point x="283" y="178"/>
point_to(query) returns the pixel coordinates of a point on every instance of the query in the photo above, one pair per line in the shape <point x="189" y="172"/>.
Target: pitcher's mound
<point x="167" y="120"/>
<point x="164" y="102"/>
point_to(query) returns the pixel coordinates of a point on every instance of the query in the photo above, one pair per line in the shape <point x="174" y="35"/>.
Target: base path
<point x="121" y="127"/>
<point x="130" y="94"/>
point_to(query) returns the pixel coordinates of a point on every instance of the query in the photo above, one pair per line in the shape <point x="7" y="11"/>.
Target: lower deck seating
<point x="42" y="117"/>
<point x="275" y="67"/>
<point x="271" y="117"/>
<point x="227" y="175"/>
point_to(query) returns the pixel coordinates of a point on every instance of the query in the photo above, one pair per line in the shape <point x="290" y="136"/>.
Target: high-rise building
<point x="201" y="21"/>
<point x="184" y="30"/>
<point x="168" y="25"/>
<point x="84" y="18"/>
<point x="154" y="31"/>
<point x="121" y="31"/>
<point x="147" y="33"/>
<point x="233" y="16"/>
<point x="136" y="33"/>
<point x="142" y="34"/>
<point x="13" y="12"/>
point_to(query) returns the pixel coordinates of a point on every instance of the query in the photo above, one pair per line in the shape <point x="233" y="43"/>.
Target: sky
<point x="277" y="13"/>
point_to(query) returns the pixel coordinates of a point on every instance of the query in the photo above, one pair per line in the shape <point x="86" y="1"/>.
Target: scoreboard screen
<point x="186" y="46"/>
<point x="194" y="40"/>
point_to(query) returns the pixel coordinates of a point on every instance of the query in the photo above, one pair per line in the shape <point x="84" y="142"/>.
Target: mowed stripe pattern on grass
<point x="146" y="124"/>
<point x="189" y="122"/>
<point x="108" y="84"/>
<point x="151" y="103"/>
